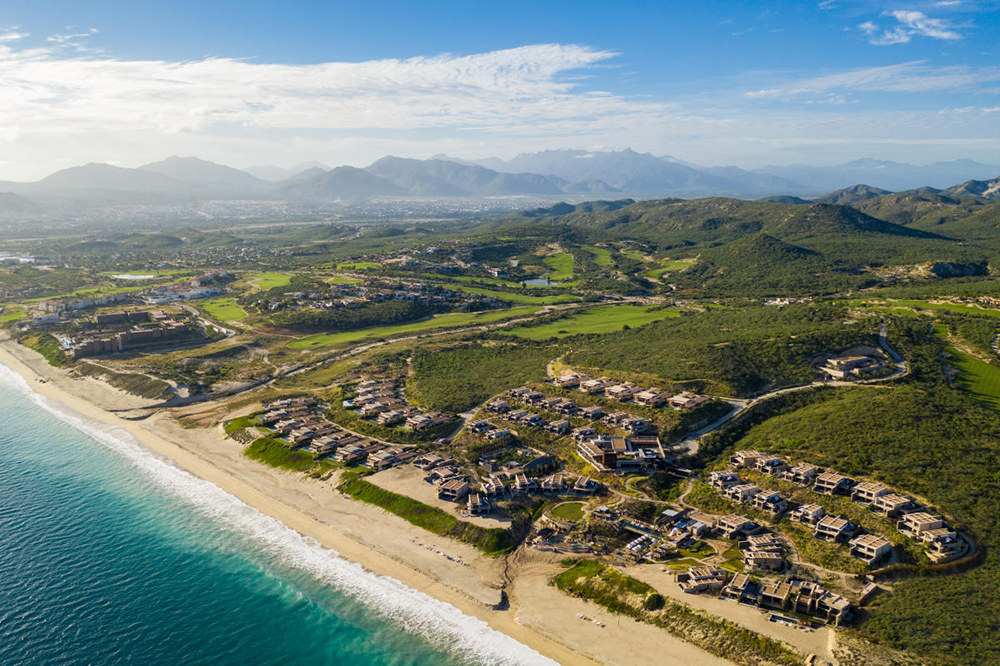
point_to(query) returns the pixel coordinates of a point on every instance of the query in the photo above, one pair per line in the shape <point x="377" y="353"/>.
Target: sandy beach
<point x="539" y="616"/>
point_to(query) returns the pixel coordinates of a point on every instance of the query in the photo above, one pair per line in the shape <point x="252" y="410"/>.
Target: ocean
<point x="109" y="554"/>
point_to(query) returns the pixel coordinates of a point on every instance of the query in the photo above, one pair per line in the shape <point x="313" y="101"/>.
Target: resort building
<point x="893" y="505"/>
<point x="868" y="491"/>
<point x="835" y="528"/>
<point x="698" y="580"/>
<point x="810" y="514"/>
<point x="916" y="524"/>
<point x="832" y="483"/>
<point x="870" y="547"/>
<point x="801" y="474"/>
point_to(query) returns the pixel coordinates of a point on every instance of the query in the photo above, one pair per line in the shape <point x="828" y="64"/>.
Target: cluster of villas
<point x="382" y="400"/>
<point x="629" y="392"/>
<point x="941" y="541"/>
<point x="500" y="483"/>
<point x="299" y="422"/>
<point x="792" y="595"/>
<point x="357" y="293"/>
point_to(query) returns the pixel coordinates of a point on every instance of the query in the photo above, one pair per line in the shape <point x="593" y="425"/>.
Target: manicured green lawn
<point x="569" y="511"/>
<point x="561" y="265"/>
<point x="668" y="266"/>
<point x="222" y="309"/>
<point x="634" y="254"/>
<point x="267" y="281"/>
<point x="602" y="255"/>
<point x="342" y="280"/>
<point x="595" y="320"/>
<point x="980" y="379"/>
<point x="451" y="320"/>
<point x="12" y="312"/>
<point x="357" y="266"/>
<point x="509" y="283"/>
<point x="515" y="298"/>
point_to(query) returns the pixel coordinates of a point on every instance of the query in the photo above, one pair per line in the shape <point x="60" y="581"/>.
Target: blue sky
<point x="711" y="82"/>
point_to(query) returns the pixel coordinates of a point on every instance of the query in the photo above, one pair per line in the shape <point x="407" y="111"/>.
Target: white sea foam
<point x="441" y="623"/>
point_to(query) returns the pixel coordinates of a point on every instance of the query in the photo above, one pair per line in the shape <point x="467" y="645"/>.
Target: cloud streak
<point x="909" y="24"/>
<point x="910" y="77"/>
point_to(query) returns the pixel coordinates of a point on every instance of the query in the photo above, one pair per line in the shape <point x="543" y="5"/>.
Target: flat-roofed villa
<point x="592" y="386"/>
<point x="652" y="397"/>
<point x="745" y="458"/>
<point x="429" y="461"/>
<point x="478" y="505"/>
<point x="593" y="412"/>
<point x="492" y="486"/>
<point x="832" y="483"/>
<point x="836" y="528"/>
<point x="698" y="580"/>
<point x="620" y="392"/>
<point x="772" y="502"/>
<point x="802" y="474"/>
<point x="870" y="547"/>
<point x="868" y="491"/>
<point x="499" y="435"/>
<point x="558" y="427"/>
<point x="893" y="505"/>
<point x="453" y="490"/>
<point x="735" y="526"/>
<point x="916" y="524"/>
<point x="723" y="480"/>
<point x="943" y="544"/>
<point x="744" y="492"/>
<point x="568" y="380"/>
<point x="807" y="598"/>
<point x="771" y="465"/>
<point x="740" y="588"/>
<point x="810" y="514"/>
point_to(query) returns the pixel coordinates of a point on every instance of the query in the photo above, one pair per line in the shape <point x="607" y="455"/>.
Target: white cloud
<point x="910" y="77"/>
<point x="910" y="24"/>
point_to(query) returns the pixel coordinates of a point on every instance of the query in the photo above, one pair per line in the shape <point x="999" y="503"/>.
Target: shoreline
<point x="540" y="617"/>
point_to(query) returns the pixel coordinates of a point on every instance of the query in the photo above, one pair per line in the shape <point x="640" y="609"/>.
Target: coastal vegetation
<point x="623" y="595"/>
<point x="491" y="541"/>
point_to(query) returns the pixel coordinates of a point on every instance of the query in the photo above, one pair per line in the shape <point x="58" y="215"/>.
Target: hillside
<point x="12" y="203"/>
<point x="853" y="194"/>
<point x="207" y="175"/>
<point x="988" y="189"/>
<point x="340" y="183"/>
<point x="920" y="208"/>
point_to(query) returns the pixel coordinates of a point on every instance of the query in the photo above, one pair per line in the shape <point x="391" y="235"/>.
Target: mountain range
<point x="546" y="174"/>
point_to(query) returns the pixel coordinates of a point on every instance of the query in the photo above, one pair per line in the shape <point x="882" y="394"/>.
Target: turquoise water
<point x="110" y="555"/>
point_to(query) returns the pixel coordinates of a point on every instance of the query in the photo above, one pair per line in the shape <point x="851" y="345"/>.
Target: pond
<point x="539" y="282"/>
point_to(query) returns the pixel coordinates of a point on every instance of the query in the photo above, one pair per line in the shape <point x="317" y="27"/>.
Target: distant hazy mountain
<point x="207" y="175"/>
<point x="11" y="203"/>
<point x="852" y="194"/>
<point x="630" y="171"/>
<point x="109" y="178"/>
<point x="447" y="178"/>
<point x="785" y="199"/>
<point x="276" y="173"/>
<point x="341" y="183"/>
<point x="893" y="176"/>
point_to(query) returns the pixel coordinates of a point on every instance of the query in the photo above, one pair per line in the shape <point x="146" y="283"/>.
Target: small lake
<point x="539" y="282"/>
<point x="131" y="276"/>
